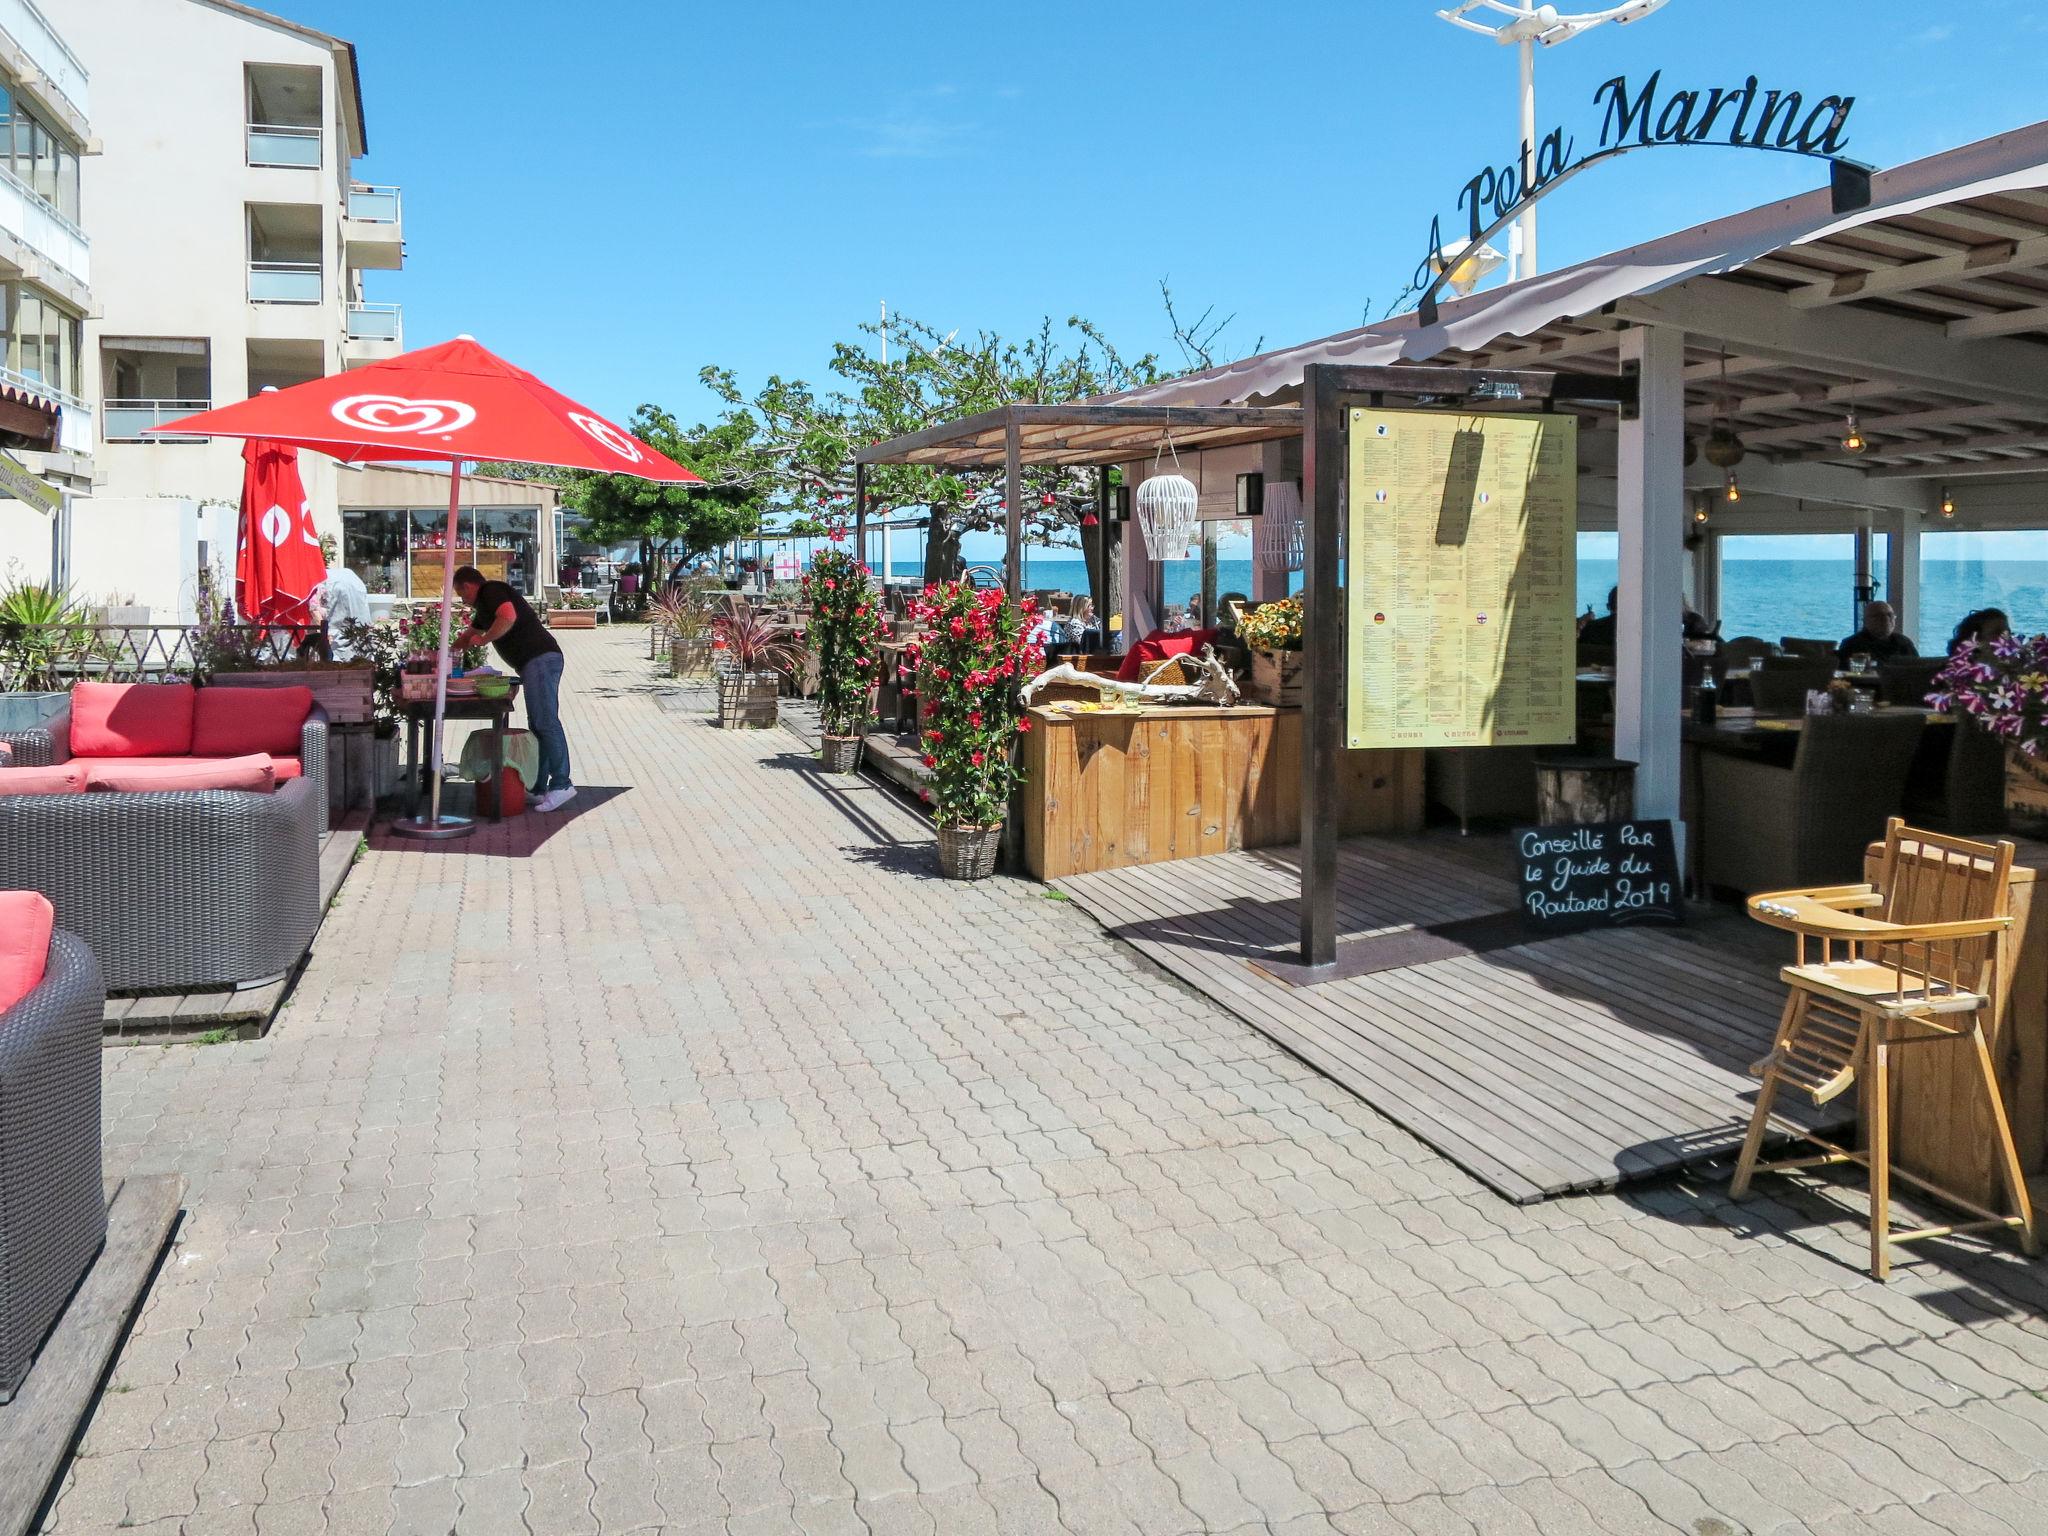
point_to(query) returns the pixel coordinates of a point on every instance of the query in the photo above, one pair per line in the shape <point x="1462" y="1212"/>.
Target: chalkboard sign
<point x="1610" y="875"/>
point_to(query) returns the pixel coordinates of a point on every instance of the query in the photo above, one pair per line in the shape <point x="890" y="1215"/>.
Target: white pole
<point x="1651" y="519"/>
<point x="1525" y="258"/>
<point x="447" y="615"/>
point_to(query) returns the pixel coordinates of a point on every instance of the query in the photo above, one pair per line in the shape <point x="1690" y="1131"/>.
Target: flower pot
<point x="842" y="754"/>
<point x="689" y="657"/>
<point x="1276" y="677"/>
<point x="746" y="700"/>
<point x="969" y="853"/>
<point x="26" y="710"/>
<point x="572" y="618"/>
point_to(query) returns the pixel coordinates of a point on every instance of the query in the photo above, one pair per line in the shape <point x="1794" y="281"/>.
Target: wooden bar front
<point x="1105" y="790"/>
<point x="1940" y="1123"/>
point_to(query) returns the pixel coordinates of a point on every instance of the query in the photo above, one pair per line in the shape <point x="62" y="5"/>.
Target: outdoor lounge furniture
<point x="1781" y="684"/>
<point x="53" y="1213"/>
<point x="1914" y="958"/>
<point x="1736" y="655"/>
<point x="1768" y="827"/>
<point x="1957" y="783"/>
<point x="1909" y="680"/>
<point x="1810" y="650"/>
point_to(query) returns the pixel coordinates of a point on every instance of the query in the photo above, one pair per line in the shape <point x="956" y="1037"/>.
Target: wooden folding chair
<point x="1913" y="960"/>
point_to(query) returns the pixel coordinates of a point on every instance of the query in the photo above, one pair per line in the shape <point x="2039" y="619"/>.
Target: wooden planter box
<point x="572" y="618"/>
<point x="689" y="657"/>
<point x="348" y="694"/>
<point x="746" y="700"/>
<point x="1276" y="678"/>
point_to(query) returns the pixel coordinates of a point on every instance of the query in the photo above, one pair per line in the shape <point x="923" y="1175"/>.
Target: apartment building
<point x="46" y="423"/>
<point x="232" y="242"/>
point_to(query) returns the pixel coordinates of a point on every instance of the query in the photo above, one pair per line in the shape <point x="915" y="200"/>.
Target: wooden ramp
<point x="1540" y="1068"/>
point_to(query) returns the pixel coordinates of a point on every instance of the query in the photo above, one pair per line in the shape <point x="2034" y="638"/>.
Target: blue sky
<point x="617" y="193"/>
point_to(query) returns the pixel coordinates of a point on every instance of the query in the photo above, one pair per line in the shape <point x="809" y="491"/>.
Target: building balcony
<point x="44" y="231"/>
<point x="38" y="40"/>
<point x="73" y="428"/>
<point x="284" y="282"/>
<point x="375" y="332"/>
<point x="373" y="229"/>
<point x="284" y="145"/>
<point x="129" y="421"/>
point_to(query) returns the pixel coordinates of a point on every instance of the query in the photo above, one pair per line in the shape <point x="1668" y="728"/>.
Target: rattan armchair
<point x="53" y="1210"/>
<point x="41" y="745"/>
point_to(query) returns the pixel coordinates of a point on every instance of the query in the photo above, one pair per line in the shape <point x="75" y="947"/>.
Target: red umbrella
<point x="277" y="554"/>
<point x="457" y="402"/>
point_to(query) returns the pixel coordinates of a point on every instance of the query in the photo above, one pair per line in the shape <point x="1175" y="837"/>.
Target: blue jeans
<point x="541" y="679"/>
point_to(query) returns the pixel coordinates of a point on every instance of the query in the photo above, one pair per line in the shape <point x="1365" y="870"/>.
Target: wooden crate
<point x="348" y="694"/>
<point x="1177" y="782"/>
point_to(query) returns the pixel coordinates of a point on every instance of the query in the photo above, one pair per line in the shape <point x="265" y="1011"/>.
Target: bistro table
<point x="419" y="714"/>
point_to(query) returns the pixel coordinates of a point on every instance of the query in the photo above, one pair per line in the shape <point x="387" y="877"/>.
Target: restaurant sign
<point x="18" y="482"/>
<point x="1743" y="117"/>
<point x="1610" y="875"/>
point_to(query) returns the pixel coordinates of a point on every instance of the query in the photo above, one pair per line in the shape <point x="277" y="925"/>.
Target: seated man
<point x="1601" y="631"/>
<point x="1879" y="638"/>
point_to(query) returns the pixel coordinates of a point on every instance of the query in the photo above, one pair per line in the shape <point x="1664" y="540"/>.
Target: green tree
<point x="677" y="522"/>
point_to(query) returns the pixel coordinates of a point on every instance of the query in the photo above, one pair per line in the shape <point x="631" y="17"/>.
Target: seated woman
<point x="1980" y="628"/>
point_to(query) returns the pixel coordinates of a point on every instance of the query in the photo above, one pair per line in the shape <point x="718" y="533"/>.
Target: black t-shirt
<point x="526" y="639"/>
<point x="1892" y="647"/>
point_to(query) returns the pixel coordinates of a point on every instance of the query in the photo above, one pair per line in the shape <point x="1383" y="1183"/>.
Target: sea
<point x="1765" y="597"/>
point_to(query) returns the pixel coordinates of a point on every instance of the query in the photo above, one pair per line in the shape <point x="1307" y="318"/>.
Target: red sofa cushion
<point x="284" y="767"/>
<point x="231" y="722"/>
<point x="26" y="919"/>
<point x="63" y="779"/>
<point x="1161" y="646"/>
<point x="131" y="719"/>
<point x="114" y="774"/>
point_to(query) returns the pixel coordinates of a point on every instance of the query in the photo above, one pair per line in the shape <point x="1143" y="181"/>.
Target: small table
<point x="419" y="713"/>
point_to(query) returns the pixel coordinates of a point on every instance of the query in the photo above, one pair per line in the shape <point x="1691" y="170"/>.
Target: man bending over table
<point x="523" y="643"/>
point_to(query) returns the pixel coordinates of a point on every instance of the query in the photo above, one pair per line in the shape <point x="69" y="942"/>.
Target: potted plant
<point x="974" y="652"/>
<point x="41" y="629"/>
<point x="749" y="655"/>
<point x="2002" y="687"/>
<point x="573" y="610"/>
<point x="1272" y="633"/>
<point x="683" y="615"/>
<point x="844" y="635"/>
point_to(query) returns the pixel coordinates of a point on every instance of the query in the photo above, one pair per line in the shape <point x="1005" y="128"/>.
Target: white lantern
<point x="1168" y="509"/>
<point x="1280" y="544"/>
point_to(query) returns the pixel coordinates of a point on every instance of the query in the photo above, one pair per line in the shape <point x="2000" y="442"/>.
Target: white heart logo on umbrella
<point x="396" y="413"/>
<point x="608" y="436"/>
<point x="275" y="525"/>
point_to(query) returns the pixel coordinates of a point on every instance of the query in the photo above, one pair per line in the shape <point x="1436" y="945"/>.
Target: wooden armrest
<point x="1845" y="897"/>
<point x="1799" y="912"/>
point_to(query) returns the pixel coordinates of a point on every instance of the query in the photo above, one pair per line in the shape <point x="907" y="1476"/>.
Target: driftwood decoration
<point x="1215" y="685"/>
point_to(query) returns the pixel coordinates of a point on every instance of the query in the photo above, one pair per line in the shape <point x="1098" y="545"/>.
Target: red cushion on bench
<point x="63" y="779"/>
<point x="1161" y="646"/>
<point x="131" y="719"/>
<point x="254" y="772"/>
<point x="284" y="767"/>
<point x="230" y="722"/>
<point x="26" y="919"/>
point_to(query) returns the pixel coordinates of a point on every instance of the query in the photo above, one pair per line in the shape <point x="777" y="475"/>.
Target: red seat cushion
<point x="285" y="767"/>
<point x="231" y="722"/>
<point x="1161" y="646"/>
<point x="131" y="719"/>
<point x="26" y="919"/>
<point x="64" y="779"/>
<point x="116" y="774"/>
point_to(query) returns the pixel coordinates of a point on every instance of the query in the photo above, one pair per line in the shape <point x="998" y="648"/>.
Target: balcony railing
<point x="284" y="145"/>
<point x="127" y="421"/>
<point x="373" y="205"/>
<point x="46" y="50"/>
<point x="375" y="322"/>
<point x="284" y="282"/>
<point x="34" y="220"/>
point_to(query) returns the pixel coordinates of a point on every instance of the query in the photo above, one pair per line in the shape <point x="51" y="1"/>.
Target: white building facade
<point x="47" y="431"/>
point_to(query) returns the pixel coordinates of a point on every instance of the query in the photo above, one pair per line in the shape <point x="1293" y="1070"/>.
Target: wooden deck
<point x="1540" y="1068"/>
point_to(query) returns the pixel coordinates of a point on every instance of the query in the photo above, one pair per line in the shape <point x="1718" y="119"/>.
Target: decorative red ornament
<point x="1090" y="520"/>
<point x="1046" y="499"/>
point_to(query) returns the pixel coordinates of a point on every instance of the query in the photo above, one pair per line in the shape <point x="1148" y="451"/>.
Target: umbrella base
<point x="429" y="827"/>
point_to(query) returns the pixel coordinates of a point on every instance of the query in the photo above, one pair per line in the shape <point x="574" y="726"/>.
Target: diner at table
<point x="1879" y="638"/>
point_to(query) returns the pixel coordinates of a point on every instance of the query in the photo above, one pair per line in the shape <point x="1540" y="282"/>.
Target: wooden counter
<point x="1940" y="1124"/>
<point x="1142" y="786"/>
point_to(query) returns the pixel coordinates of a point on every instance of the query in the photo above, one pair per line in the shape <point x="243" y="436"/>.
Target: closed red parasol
<point x="277" y="554"/>
<point x="458" y="402"/>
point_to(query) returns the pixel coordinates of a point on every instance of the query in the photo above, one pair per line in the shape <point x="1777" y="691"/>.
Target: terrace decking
<point x="1540" y="1067"/>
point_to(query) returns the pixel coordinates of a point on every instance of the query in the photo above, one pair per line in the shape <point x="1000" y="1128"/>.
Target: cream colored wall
<point x="146" y="550"/>
<point x="24" y="543"/>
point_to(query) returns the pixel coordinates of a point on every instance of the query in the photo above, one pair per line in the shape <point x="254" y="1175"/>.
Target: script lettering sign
<point x="1611" y="875"/>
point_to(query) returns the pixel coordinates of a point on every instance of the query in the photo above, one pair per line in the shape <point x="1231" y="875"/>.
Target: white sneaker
<point x="555" y="799"/>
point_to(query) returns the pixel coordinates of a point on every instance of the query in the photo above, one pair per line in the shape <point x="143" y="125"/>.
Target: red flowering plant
<point x="845" y="636"/>
<point x="972" y="654"/>
<point x="2003" y="687"/>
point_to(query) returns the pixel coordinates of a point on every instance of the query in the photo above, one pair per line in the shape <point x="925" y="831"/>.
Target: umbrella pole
<point x="435" y="824"/>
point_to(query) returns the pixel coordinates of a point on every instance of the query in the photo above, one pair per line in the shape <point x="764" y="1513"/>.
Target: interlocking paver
<point x="692" y="1163"/>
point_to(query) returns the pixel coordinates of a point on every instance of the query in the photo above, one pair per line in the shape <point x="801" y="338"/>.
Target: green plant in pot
<point x="749" y="656"/>
<point x="972" y="654"/>
<point x="1272" y="633"/>
<point x="681" y="619"/>
<point x="845" y="637"/>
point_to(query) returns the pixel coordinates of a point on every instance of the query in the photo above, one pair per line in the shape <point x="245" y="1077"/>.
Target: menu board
<point x="1461" y="577"/>
<point x="1608" y="875"/>
<point x="495" y="564"/>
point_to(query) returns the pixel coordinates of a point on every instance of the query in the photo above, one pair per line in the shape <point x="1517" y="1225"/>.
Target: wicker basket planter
<point x="842" y="754"/>
<point x="746" y="700"/>
<point x="969" y="853"/>
<point x="689" y="657"/>
<point x="1276" y="677"/>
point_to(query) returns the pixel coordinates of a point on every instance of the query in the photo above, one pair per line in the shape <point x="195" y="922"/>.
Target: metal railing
<point x="46" y="48"/>
<point x="373" y="205"/>
<point x="284" y="144"/>
<point x="284" y="282"/>
<point x="375" y="322"/>
<point x="128" y="421"/>
<point x="35" y="657"/>
<point x="41" y="387"/>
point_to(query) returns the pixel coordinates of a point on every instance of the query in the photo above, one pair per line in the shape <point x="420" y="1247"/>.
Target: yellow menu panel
<point x="1461" y="576"/>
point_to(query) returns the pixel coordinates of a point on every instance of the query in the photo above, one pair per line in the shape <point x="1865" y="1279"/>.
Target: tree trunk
<point x="941" y="546"/>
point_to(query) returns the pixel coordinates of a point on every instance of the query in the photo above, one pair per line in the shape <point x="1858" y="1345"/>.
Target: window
<point x="146" y="381"/>
<point x="37" y="156"/>
<point x="1961" y="572"/>
<point x="1798" y="584"/>
<point x="400" y="552"/>
<point x="373" y="545"/>
<point x="44" y="340"/>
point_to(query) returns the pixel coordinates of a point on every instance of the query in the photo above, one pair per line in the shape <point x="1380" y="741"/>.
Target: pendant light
<point x="1853" y="440"/>
<point x="1723" y="448"/>
<point x="1734" y="488"/>
<point x="1948" y="505"/>
<point x="1279" y="544"/>
<point x="1169" y="508"/>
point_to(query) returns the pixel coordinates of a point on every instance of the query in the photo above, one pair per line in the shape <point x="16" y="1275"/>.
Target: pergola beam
<point x="1979" y="261"/>
<point x="2005" y="323"/>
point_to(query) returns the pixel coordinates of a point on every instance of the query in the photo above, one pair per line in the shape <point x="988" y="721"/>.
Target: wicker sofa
<point x="53" y="1212"/>
<point x="174" y="889"/>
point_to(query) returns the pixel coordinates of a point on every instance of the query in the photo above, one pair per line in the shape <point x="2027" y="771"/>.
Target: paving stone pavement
<point x="698" y="1162"/>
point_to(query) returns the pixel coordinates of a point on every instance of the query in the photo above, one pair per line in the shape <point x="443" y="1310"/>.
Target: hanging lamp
<point x="1169" y="508"/>
<point x="1279" y="544"/>
<point x="1723" y="448"/>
